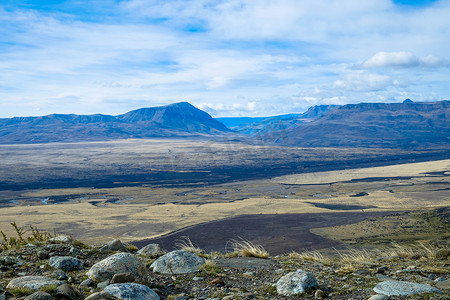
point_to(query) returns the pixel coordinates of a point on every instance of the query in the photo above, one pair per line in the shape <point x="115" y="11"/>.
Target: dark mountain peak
<point x="407" y="100"/>
<point x="317" y="111"/>
<point x="178" y="119"/>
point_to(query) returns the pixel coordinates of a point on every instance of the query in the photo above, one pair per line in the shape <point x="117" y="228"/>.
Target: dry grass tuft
<point x="186" y="244"/>
<point x="248" y="249"/>
<point x="309" y="255"/>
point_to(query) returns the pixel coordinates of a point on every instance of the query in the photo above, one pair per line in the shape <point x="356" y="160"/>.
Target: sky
<point x="227" y="57"/>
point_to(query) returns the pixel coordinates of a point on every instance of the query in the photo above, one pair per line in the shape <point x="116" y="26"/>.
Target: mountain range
<point x="408" y="125"/>
<point x="175" y="120"/>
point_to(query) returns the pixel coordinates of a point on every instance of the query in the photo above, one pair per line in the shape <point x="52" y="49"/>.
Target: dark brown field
<point x="278" y="234"/>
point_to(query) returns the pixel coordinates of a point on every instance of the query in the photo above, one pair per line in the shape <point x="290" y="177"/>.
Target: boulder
<point x="122" y="277"/>
<point x="177" y="262"/>
<point x="151" y="250"/>
<point x="39" y="295"/>
<point x="100" y="296"/>
<point x="32" y="282"/>
<point x="131" y="291"/>
<point x="118" y="263"/>
<point x="403" y="288"/>
<point x="114" y="245"/>
<point x="66" y="291"/>
<point x="60" y="240"/>
<point x="66" y="263"/>
<point x="296" y="282"/>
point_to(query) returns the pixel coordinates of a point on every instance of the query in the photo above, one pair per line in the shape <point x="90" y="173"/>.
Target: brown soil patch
<point x="276" y="233"/>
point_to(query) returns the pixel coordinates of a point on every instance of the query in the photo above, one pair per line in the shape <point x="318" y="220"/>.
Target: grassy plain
<point x="87" y="206"/>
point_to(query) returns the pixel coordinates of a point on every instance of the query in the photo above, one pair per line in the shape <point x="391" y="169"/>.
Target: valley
<point x="68" y="188"/>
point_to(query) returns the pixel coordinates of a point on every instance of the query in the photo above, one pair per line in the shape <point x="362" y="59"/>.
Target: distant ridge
<point x="409" y="125"/>
<point x="174" y="120"/>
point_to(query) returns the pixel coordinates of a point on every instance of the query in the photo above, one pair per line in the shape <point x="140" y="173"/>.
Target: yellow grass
<point x="143" y="218"/>
<point x="248" y="249"/>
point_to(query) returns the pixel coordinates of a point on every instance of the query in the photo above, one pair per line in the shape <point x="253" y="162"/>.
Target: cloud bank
<point x="233" y="57"/>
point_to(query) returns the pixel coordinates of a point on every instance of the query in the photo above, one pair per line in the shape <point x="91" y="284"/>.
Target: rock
<point x="118" y="263"/>
<point x="32" y="282"/>
<point x="382" y="277"/>
<point x="378" y="297"/>
<point x="100" y="296"/>
<point x="443" y="284"/>
<point x="218" y="281"/>
<point x="87" y="283"/>
<point x="296" y="282"/>
<point x="74" y="251"/>
<point x="103" y="284"/>
<point x="361" y="272"/>
<point x="60" y="240"/>
<point x="122" y="277"/>
<point x="151" y="250"/>
<point x="382" y="270"/>
<point x="42" y="254"/>
<point x="66" y="291"/>
<point x="319" y="294"/>
<point x="59" y="274"/>
<point x="198" y="278"/>
<point x="177" y="262"/>
<point x="39" y="295"/>
<point x="66" y="263"/>
<point x="114" y="245"/>
<point x="403" y="288"/>
<point x="131" y="291"/>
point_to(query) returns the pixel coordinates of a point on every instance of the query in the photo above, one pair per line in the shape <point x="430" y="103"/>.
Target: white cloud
<point x="402" y="60"/>
<point x="360" y="81"/>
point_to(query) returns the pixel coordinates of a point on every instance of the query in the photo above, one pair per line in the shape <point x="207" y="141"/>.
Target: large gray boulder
<point x="34" y="283"/>
<point x="118" y="263"/>
<point x="177" y="262"/>
<point x="131" y="291"/>
<point x="66" y="263"/>
<point x="403" y="288"/>
<point x="296" y="282"/>
<point x="39" y="295"/>
<point x="151" y="250"/>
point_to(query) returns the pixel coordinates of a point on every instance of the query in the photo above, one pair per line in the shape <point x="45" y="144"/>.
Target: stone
<point x="100" y="296"/>
<point x="151" y="250"/>
<point x="382" y="277"/>
<point x="32" y="282"/>
<point x="87" y="283"/>
<point x="296" y="282"/>
<point x="122" y="277"/>
<point x="66" y="291"/>
<point x="443" y="284"/>
<point x="177" y="262"/>
<point x="66" y="263"/>
<point x="131" y="291"/>
<point x="378" y="297"/>
<point x="39" y="295"/>
<point x="114" y="245"/>
<point x="319" y="294"/>
<point x="60" y="240"/>
<point x="103" y="284"/>
<point x="59" y="274"/>
<point x="118" y="263"/>
<point x="42" y="254"/>
<point x="403" y="288"/>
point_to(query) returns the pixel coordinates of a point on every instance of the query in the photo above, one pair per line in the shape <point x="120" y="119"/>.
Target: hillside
<point x="406" y="125"/>
<point x="179" y="119"/>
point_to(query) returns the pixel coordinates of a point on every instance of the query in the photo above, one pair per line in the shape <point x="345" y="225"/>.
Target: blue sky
<point x="230" y="58"/>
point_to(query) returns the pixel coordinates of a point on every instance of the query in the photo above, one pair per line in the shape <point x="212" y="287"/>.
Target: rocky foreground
<point x="62" y="268"/>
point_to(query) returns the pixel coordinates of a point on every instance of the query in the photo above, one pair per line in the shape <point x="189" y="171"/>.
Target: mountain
<point x="179" y="119"/>
<point x="409" y="125"/>
<point x="276" y="125"/>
